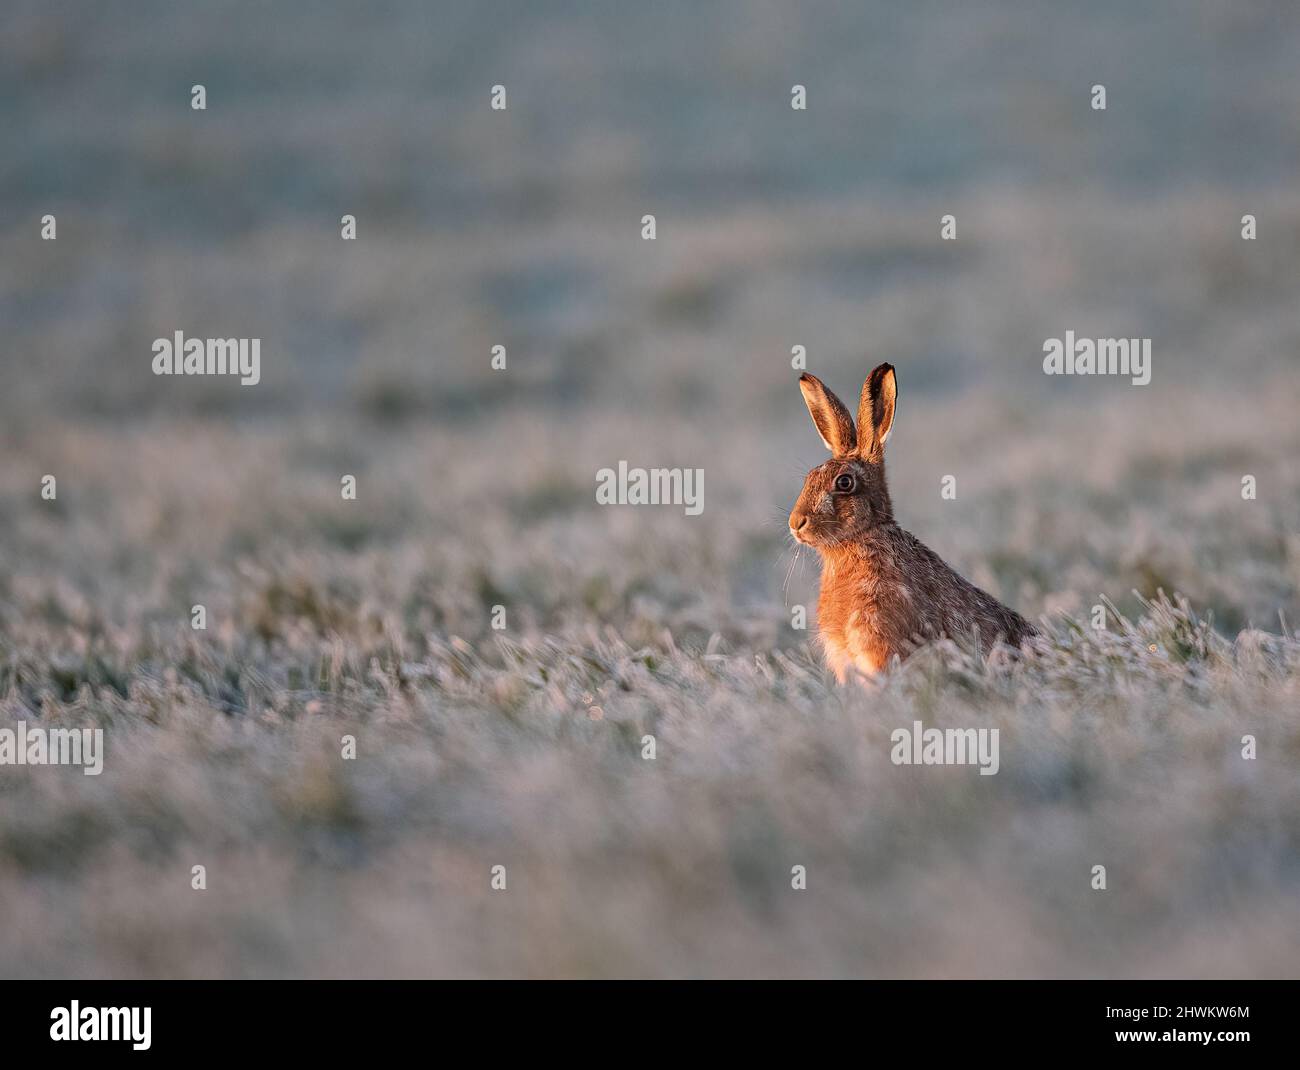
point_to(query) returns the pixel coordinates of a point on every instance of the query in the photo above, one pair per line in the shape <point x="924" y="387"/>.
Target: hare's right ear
<point x="833" y="421"/>
<point x="876" y="409"/>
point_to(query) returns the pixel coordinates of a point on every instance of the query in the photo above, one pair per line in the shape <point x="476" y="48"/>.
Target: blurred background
<point x="776" y="228"/>
<point x="522" y="228"/>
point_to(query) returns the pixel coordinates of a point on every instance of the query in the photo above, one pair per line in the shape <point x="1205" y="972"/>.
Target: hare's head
<point x="846" y="495"/>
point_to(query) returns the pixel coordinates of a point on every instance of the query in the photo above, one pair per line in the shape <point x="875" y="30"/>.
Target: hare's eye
<point x="844" y="483"/>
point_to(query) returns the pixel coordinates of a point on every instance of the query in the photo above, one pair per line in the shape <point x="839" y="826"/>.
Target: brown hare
<point x="883" y="593"/>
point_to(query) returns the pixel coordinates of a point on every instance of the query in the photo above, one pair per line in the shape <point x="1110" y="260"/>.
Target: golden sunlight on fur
<point x="883" y="592"/>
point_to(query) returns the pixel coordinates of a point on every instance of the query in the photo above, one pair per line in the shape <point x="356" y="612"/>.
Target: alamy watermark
<point x="76" y="1022"/>
<point x="1099" y="356"/>
<point x="651" y="486"/>
<point x="179" y="355"/>
<point x="53" y="746"/>
<point x="919" y="745"/>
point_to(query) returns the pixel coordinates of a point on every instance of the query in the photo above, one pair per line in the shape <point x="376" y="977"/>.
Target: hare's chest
<point x="851" y="638"/>
<point x="836" y="653"/>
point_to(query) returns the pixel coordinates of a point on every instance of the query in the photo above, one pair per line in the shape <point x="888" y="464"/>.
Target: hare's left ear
<point x="876" y="410"/>
<point x="833" y="420"/>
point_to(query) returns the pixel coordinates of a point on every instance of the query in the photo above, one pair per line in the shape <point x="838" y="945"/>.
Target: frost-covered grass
<point x="523" y="747"/>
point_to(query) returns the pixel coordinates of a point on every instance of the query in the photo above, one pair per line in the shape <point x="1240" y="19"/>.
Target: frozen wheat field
<point x="522" y="747"/>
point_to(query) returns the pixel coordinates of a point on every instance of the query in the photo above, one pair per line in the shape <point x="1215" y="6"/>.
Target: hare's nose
<point x="797" y="521"/>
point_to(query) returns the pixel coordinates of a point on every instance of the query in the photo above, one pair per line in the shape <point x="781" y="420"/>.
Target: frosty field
<point x="476" y="488"/>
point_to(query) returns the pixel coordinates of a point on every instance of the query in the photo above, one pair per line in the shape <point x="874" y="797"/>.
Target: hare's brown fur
<point x="883" y="591"/>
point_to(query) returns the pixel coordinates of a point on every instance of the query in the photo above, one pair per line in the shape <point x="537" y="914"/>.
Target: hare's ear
<point x="834" y="423"/>
<point x="876" y="410"/>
